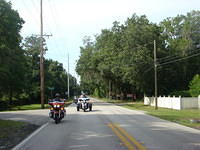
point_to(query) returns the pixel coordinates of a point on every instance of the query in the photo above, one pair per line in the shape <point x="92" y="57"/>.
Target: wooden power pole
<point x="155" y="71"/>
<point x="68" y="79"/>
<point x="41" y="58"/>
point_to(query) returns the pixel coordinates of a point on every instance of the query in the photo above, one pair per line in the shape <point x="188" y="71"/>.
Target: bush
<point x="4" y="105"/>
<point x="99" y="92"/>
<point x="195" y="86"/>
<point x="181" y="93"/>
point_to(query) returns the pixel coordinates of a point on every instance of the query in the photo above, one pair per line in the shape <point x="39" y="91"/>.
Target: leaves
<point x="195" y="86"/>
<point x="124" y="56"/>
<point x="11" y="54"/>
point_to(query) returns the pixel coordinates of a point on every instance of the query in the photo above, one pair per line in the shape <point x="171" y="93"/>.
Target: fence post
<point x="181" y="104"/>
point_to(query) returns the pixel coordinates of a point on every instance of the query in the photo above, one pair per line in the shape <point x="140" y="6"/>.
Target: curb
<point x="19" y="146"/>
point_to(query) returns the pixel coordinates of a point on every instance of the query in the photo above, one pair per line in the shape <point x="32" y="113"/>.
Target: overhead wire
<point x="35" y="9"/>
<point x="56" y="48"/>
<point x="53" y="15"/>
<point x="48" y="26"/>
<point x="183" y="58"/>
<point x="167" y="58"/>
<point x="30" y="10"/>
<point x="56" y="27"/>
<point x="169" y="62"/>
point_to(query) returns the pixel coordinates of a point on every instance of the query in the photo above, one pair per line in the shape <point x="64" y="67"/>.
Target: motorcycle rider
<point x="80" y="101"/>
<point x="80" y="97"/>
<point x="57" y="99"/>
<point x="83" y="96"/>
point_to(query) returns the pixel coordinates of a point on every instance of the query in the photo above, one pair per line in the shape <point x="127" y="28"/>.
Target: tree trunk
<point x="10" y="95"/>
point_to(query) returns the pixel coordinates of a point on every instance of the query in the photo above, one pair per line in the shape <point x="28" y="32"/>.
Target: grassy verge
<point x="179" y="116"/>
<point x="28" y="107"/>
<point x="115" y="101"/>
<point x="34" y="106"/>
<point x="67" y="103"/>
<point x="12" y="132"/>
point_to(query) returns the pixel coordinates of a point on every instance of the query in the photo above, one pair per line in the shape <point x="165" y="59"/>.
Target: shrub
<point x="181" y="93"/>
<point x="195" y="86"/>
<point x="4" y="105"/>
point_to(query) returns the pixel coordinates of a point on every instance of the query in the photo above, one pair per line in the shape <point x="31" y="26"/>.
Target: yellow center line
<point x="133" y="140"/>
<point x="122" y="138"/>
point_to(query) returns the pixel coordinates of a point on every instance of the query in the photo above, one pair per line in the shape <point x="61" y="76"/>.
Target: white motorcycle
<point x="84" y="104"/>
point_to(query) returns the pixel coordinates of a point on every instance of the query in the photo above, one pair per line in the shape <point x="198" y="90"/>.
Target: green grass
<point x="115" y="101"/>
<point x="12" y="132"/>
<point x="29" y="107"/>
<point x="179" y="116"/>
<point x="34" y="106"/>
<point x="7" y="127"/>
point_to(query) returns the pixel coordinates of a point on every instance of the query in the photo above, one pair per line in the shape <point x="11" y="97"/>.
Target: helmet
<point x="57" y="95"/>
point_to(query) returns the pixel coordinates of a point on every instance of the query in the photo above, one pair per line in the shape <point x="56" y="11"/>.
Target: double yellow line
<point x="130" y="142"/>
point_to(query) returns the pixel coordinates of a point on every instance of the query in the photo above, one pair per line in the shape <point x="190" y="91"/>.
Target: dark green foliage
<point x="57" y="77"/>
<point x="195" y="86"/>
<point x="55" y="74"/>
<point x="121" y="58"/>
<point x="11" y="55"/>
<point x="181" y="93"/>
<point x="19" y="64"/>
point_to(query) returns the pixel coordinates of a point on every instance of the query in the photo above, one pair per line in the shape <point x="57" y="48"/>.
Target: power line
<point x="167" y="58"/>
<point x="26" y="6"/>
<point x="179" y="59"/>
<point x="148" y="70"/>
<point x="35" y="6"/>
<point x="53" y="12"/>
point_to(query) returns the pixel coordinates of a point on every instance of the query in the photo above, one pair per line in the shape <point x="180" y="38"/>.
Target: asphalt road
<point x="111" y="127"/>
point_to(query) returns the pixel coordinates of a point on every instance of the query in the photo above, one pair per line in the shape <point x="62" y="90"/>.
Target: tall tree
<point x="121" y="58"/>
<point x="31" y="46"/>
<point x="182" y="38"/>
<point x="11" y="54"/>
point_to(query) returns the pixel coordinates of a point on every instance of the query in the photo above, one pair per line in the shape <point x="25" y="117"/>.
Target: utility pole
<point x="41" y="58"/>
<point x="68" y="78"/>
<point x="109" y="91"/>
<point x="155" y="71"/>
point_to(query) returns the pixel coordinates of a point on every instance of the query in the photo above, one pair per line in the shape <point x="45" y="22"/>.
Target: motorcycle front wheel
<point x="56" y="119"/>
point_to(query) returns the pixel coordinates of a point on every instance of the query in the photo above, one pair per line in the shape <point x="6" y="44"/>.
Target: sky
<point x="69" y="21"/>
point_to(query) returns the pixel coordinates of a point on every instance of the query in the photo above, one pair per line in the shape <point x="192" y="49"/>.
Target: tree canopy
<point x="120" y="59"/>
<point x="11" y="54"/>
<point x="19" y="64"/>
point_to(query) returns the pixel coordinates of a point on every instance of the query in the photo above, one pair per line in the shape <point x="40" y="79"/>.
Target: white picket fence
<point x="174" y="102"/>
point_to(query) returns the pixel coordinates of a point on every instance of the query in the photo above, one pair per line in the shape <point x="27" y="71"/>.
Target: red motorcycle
<point x="57" y="110"/>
